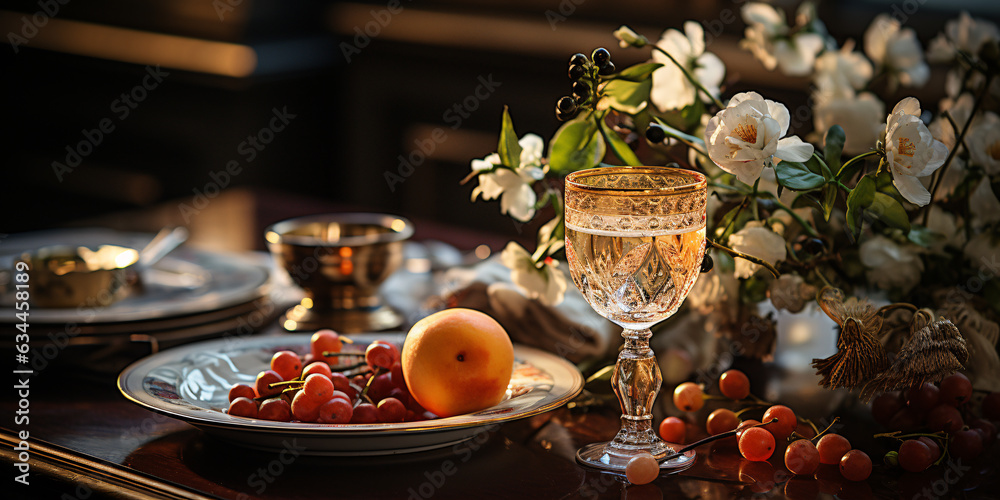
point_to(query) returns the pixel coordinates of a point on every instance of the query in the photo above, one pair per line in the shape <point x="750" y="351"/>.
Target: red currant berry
<point x="966" y="444"/>
<point x="325" y="341"/>
<point x="390" y="410"/>
<point x="243" y="407"/>
<point x="914" y="456"/>
<point x="276" y="409"/>
<point x="721" y="420"/>
<point x="801" y="457"/>
<point x="672" y="430"/>
<point x="287" y="364"/>
<point x="756" y="444"/>
<point x="945" y="417"/>
<point x="689" y="397"/>
<point x="923" y="397"/>
<point x="263" y="382"/>
<point x="832" y="448"/>
<point x="855" y="465"/>
<point x="642" y="469"/>
<point x="335" y="411"/>
<point x="786" y="421"/>
<point x="734" y="384"/>
<point x="956" y="389"/>
<point x="241" y="391"/>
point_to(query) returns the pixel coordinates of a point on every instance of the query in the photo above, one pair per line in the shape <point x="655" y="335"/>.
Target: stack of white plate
<point x="189" y="295"/>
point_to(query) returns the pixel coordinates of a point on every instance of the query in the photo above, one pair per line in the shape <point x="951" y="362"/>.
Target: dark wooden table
<point x="87" y="441"/>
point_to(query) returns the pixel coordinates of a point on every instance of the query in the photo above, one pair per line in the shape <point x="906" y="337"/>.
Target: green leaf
<point x="860" y="198"/>
<point x="816" y="165"/>
<point x="753" y="289"/>
<point x="576" y="145"/>
<point x="923" y="236"/>
<point x="692" y="113"/>
<point x="797" y="176"/>
<point x="883" y="184"/>
<point x="727" y="222"/>
<point x="807" y="200"/>
<point x="618" y="146"/>
<point x="833" y="147"/>
<point x="681" y="136"/>
<point x="508" y="149"/>
<point x="638" y="72"/>
<point x="628" y="97"/>
<point x="890" y="211"/>
<point x="829" y="199"/>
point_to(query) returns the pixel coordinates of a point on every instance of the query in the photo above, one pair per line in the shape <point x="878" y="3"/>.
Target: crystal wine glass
<point x="635" y="240"/>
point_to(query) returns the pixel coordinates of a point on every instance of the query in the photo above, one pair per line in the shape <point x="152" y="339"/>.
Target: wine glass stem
<point x="636" y="381"/>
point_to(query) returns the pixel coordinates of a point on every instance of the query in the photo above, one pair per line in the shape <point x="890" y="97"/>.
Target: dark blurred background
<point x="367" y="83"/>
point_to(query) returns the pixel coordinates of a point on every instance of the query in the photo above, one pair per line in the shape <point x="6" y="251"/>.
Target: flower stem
<point x="958" y="142"/>
<point x="902" y="437"/>
<point x="746" y="257"/>
<point x="727" y="187"/>
<point x="805" y="225"/>
<point x="691" y="141"/>
<point x="743" y="204"/>
<point x="690" y="77"/>
<point x="824" y="431"/>
<point x="721" y="435"/>
<point x="860" y="157"/>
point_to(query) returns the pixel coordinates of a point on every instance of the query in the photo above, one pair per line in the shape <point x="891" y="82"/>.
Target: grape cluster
<point x="583" y="72"/>
<point x="323" y="391"/>
<point x="934" y="418"/>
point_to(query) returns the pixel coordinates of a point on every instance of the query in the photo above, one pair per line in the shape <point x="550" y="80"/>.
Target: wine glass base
<point x="595" y="456"/>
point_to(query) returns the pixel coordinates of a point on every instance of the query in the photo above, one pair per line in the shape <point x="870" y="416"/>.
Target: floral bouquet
<point x="904" y="202"/>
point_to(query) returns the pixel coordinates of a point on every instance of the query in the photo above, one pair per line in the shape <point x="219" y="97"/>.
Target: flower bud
<point x="626" y="37"/>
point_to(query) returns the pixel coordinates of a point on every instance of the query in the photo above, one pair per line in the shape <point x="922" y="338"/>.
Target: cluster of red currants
<point x="934" y="421"/>
<point x="326" y="391"/>
<point x="758" y="440"/>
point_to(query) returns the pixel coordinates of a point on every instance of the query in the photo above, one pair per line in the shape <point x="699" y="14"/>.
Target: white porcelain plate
<point x="191" y="383"/>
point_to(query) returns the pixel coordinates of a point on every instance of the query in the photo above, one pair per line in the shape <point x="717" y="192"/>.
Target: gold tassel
<point x="930" y="354"/>
<point x="860" y="355"/>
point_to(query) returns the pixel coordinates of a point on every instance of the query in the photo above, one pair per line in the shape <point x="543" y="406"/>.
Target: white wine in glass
<point x="635" y="240"/>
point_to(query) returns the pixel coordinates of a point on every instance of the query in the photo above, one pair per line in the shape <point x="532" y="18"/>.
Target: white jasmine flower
<point x="960" y="109"/>
<point x="545" y="283"/>
<point x="841" y="73"/>
<point x="910" y="151"/>
<point x="983" y="249"/>
<point x="984" y="142"/>
<point x="757" y="240"/>
<point x="791" y="292"/>
<point x="860" y="116"/>
<point x="945" y="223"/>
<point x="769" y="39"/>
<point x="747" y="135"/>
<point x="512" y="186"/>
<point x="897" y="50"/>
<point x="983" y="205"/>
<point x="891" y="265"/>
<point x="626" y="38"/>
<point x="671" y="89"/>
<point x="963" y="34"/>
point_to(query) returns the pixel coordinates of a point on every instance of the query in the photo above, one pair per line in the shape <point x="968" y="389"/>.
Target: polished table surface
<point x="88" y="441"/>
